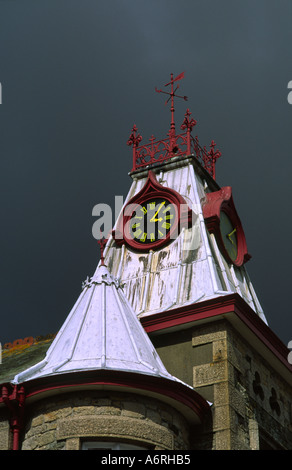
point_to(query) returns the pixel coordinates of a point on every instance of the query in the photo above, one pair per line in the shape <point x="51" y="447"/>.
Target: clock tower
<point x="167" y="346"/>
<point x="179" y="250"/>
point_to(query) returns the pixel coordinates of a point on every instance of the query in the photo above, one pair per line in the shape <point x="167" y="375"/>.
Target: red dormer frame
<point x="215" y="203"/>
<point x="153" y="189"/>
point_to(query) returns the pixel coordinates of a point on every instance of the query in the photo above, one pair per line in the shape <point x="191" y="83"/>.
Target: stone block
<point x="4" y="436"/>
<point x="51" y="416"/>
<point x="107" y="410"/>
<point x="46" y="438"/>
<point x="133" y="410"/>
<point x="30" y="443"/>
<point x="221" y="440"/>
<point x="153" y="416"/>
<point x="84" y="410"/>
<point x="115" y="427"/>
<point x="219" y="350"/>
<point x="254" y="434"/>
<point x="221" y="393"/>
<point x="208" y="334"/>
<point x="238" y="400"/>
<point x="209" y="374"/>
<point x="73" y="443"/>
<point x="37" y="421"/>
<point x="221" y="418"/>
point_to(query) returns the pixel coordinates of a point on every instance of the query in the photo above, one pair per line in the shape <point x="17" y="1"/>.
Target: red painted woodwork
<point x="109" y="379"/>
<point x="14" y="398"/>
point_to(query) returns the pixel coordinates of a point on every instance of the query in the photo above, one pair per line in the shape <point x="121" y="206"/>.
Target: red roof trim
<point x="106" y="378"/>
<point x="215" y="308"/>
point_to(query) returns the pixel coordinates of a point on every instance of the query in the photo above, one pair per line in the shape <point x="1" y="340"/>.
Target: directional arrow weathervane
<point x="171" y="96"/>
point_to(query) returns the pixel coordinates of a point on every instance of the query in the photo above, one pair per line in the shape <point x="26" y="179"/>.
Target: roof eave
<point x="181" y="397"/>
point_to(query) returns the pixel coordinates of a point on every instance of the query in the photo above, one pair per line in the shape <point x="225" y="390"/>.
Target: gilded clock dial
<point x="229" y="236"/>
<point x="152" y="220"/>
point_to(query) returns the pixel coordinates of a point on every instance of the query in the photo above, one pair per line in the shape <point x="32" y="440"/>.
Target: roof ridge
<point x="28" y="340"/>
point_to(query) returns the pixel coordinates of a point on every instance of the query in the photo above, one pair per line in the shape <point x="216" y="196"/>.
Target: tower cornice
<point x="238" y="313"/>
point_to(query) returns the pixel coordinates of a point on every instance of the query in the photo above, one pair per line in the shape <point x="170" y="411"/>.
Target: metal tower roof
<point x="191" y="268"/>
<point x="101" y="332"/>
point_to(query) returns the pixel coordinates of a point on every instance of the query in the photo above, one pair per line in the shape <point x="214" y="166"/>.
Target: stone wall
<point x="64" y="422"/>
<point x="5" y="434"/>
<point x="251" y="402"/>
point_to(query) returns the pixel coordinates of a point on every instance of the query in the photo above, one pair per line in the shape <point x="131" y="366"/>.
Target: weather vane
<point x="171" y="97"/>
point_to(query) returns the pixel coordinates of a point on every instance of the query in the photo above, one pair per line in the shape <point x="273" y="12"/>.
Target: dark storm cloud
<point x="76" y="76"/>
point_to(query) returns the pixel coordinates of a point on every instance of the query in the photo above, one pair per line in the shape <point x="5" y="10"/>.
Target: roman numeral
<point x="143" y="238"/>
<point x="138" y="232"/>
<point x="167" y="209"/>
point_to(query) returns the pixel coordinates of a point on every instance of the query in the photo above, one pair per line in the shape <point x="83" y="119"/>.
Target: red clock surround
<point x="153" y="189"/>
<point x="222" y="201"/>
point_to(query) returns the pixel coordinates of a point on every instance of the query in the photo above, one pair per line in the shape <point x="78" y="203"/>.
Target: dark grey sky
<point x="76" y="75"/>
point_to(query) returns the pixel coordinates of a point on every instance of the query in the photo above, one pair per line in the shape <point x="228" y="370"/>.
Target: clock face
<point x="229" y="236"/>
<point x="152" y="221"/>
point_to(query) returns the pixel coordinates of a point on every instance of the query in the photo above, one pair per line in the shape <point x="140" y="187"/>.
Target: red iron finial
<point x="188" y="124"/>
<point x="134" y="139"/>
<point x="175" y="146"/>
<point x="213" y="155"/>
<point x="171" y="97"/>
<point x="102" y="243"/>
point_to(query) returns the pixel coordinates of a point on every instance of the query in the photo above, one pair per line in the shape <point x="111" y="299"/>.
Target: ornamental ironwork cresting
<point x="184" y="144"/>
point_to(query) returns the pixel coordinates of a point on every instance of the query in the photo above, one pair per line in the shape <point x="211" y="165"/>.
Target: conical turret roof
<point x="102" y="344"/>
<point x="101" y="332"/>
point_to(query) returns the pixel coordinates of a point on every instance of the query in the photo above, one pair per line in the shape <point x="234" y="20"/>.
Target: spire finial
<point x="102" y="242"/>
<point x="213" y="156"/>
<point x="171" y="96"/>
<point x="134" y="140"/>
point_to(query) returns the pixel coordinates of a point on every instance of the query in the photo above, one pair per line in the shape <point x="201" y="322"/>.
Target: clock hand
<point x="231" y="233"/>
<point x="229" y="236"/>
<point x="156" y="220"/>
<point x="152" y="220"/>
<point x="230" y="239"/>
